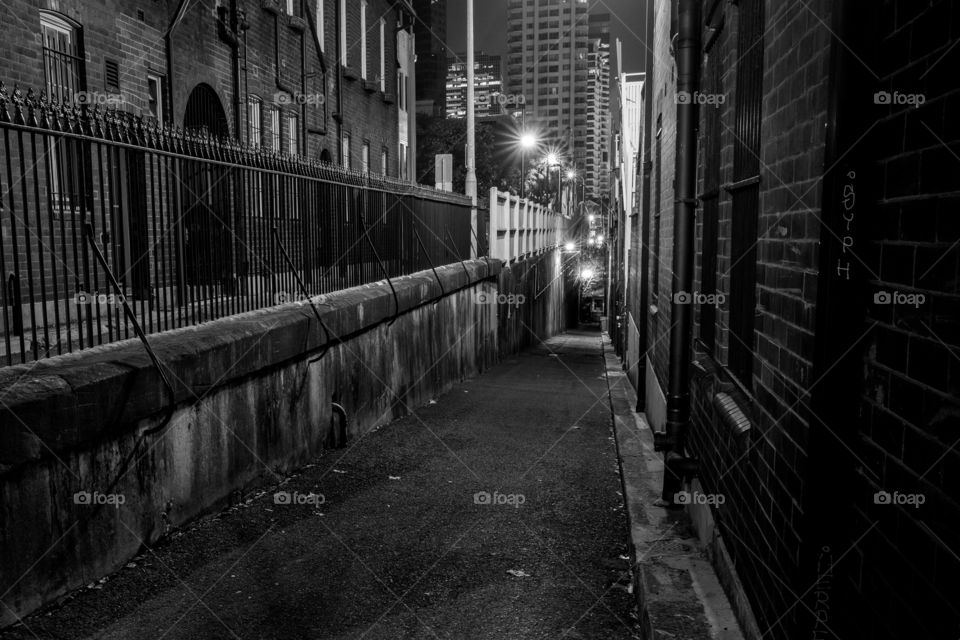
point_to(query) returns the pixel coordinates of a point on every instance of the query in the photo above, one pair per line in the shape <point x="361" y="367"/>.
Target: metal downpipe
<point x="681" y="310"/>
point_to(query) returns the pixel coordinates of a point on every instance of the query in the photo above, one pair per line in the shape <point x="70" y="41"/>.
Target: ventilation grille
<point x="111" y="74"/>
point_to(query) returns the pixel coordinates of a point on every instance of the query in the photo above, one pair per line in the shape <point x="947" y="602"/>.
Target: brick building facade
<point x="322" y="81"/>
<point x="826" y="336"/>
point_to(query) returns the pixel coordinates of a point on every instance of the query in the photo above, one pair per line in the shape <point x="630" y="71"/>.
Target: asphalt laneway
<point x="402" y="546"/>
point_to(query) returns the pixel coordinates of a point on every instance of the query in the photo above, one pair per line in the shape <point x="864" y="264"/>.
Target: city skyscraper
<point x="489" y="96"/>
<point x="547" y="64"/>
<point x="430" y="30"/>
<point x="597" y="170"/>
<point x="558" y="60"/>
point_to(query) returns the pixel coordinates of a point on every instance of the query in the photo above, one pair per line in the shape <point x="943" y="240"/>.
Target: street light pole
<point x="560" y="188"/>
<point x="523" y="171"/>
<point x="471" y="179"/>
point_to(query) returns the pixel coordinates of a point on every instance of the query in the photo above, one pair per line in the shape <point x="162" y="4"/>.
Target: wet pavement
<point x="494" y="512"/>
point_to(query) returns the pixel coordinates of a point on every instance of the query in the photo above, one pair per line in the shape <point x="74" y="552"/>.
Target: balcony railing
<point x="191" y="228"/>
<point x="519" y="228"/>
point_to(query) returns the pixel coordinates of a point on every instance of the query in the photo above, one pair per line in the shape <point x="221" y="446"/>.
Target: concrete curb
<point x="677" y="591"/>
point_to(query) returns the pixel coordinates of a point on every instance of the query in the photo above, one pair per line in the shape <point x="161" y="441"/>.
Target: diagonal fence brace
<point x="306" y="294"/>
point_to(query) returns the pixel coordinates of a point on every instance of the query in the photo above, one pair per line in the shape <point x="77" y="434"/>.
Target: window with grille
<point x="321" y="26"/>
<point x="64" y="83"/>
<point x="710" y="199"/>
<point x="745" y="189"/>
<point x="293" y="135"/>
<point x="383" y="55"/>
<point x="343" y="33"/>
<point x="254" y="123"/>
<point x="274" y="130"/>
<point x="363" y="39"/>
<point x="345" y="151"/>
<point x="155" y="97"/>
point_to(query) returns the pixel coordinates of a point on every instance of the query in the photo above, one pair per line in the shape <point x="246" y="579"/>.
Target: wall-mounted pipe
<point x="684" y="212"/>
<point x="341" y="433"/>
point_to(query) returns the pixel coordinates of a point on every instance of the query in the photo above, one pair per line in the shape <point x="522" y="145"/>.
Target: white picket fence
<point x="520" y="229"/>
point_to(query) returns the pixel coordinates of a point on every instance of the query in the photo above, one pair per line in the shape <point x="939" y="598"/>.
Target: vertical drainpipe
<point x="644" y="170"/>
<point x="684" y="212"/>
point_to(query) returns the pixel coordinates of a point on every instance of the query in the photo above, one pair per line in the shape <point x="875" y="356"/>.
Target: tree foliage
<point x="438" y="135"/>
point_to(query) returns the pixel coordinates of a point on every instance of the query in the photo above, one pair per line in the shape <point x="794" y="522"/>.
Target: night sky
<point x="626" y="23"/>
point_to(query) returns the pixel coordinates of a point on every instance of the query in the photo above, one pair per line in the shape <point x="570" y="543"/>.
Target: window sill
<point x="297" y="24"/>
<point x="350" y="74"/>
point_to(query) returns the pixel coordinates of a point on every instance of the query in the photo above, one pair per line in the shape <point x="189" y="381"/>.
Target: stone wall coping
<point x="60" y="403"/>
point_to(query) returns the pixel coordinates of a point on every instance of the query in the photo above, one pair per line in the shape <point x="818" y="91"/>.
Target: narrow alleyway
<point x="401" y="546"/>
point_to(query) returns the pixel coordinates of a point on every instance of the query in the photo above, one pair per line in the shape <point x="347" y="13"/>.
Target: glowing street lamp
<point x="570" y="246"/>
<point x="587" y="273"/>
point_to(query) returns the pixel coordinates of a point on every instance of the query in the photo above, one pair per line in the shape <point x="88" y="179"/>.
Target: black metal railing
<point x="193" y="228"/>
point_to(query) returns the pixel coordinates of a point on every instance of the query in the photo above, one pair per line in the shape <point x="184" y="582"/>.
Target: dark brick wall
<point x="762" y="476"/>
<point x="894" y="564"/>
<point x="661" y="92"/>
<point x="910" y="414"/>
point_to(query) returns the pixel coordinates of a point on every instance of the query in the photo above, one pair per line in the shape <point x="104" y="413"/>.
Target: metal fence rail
<point x="190" y="226"/>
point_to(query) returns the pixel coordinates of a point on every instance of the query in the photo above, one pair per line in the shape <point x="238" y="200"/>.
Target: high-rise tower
<point x="547" y="43"/>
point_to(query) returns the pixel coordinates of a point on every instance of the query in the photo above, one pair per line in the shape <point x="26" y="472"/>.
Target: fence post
<point x="514" y="228"/>
<point x="493" y="241"/>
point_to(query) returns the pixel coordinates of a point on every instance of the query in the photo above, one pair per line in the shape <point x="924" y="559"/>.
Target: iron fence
<point x="192" y="228"/>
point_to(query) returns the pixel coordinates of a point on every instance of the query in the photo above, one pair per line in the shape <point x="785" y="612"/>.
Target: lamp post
<point x="471" y="178"/>
<point x="527" y="141"/>
<point x="553" y="160"/>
